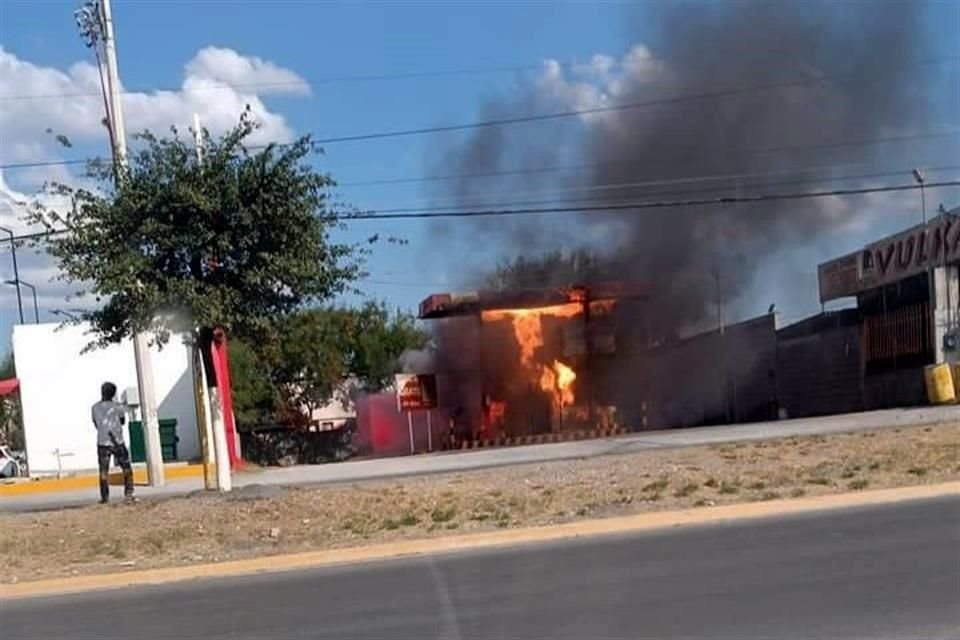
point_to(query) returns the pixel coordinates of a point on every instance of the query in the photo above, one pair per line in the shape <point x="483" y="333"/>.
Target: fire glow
<point x="554" y="378"/>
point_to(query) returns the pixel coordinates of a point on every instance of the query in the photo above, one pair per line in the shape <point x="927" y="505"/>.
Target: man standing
<point x="108" y="417"/>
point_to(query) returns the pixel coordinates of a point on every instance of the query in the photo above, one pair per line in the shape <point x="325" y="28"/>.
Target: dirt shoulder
<point x="259" y="521"/>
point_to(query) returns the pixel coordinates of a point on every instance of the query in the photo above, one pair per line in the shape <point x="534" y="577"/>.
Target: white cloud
<point x="71" y="103"/>
<point x="226" y="66"/>
<point x="601" y="82"/>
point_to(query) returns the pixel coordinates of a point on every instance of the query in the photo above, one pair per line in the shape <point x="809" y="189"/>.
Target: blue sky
<point x="323" y="40"/>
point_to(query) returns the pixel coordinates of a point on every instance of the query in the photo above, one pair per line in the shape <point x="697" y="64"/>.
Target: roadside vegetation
<point x="262" y="520"/>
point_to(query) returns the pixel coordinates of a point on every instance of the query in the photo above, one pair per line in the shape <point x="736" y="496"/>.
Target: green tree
<point x="255" y="397"/>
<point x="379" y="340"/>
<point x="313" y="353"/>
<point x="232" y="243"/>
<point x="551" y="269"/>
<point x="11" y="418"/>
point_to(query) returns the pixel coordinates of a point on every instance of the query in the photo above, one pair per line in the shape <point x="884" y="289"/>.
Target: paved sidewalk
<point x="358" y="470"/>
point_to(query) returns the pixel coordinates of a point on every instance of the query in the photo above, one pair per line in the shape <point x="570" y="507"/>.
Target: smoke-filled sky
<point x="787" y="83"/>
<point x="376" y="67"/>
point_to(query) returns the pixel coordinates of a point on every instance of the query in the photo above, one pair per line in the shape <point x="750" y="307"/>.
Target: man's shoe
<point x="104" y="500"/>
<point x="131" y="499"/>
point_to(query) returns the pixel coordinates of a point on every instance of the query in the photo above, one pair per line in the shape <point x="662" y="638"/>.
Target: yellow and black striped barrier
<point x="542" y="438"/>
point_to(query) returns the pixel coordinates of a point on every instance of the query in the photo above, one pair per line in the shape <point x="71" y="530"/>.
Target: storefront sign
<point x="839" y="277"/>
<point x="416" y="391"/>
<point x="891" y="259"/>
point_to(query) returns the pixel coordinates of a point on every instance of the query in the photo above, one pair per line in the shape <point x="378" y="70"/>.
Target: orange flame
<point x="556" y="379"/>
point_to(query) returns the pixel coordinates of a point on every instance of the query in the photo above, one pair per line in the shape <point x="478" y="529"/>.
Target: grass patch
<point x="728" y="488"/>
<point x="770" y="495"/>
<point x="799" y="492"/>
<point x="917" y="471"/>
<point x="820" y="480"/>
<point x="858" y="485"/>
<point x="154" y="541"/>
<point x="848" y="473"/>
<point x="712" y="483"/>
<point x="441" y="514"/>
<point x="701" y="503"/>
<point x="874" y="466"/>
<point x="758" y="486"/>
<point x="389" y="524"/>
<point x="686" y="490"/>
<point x="656" y="486"/>
<point x="409" y="520"/>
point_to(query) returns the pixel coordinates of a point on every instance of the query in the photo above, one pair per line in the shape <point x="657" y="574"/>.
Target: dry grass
<point x="267" y="520"/>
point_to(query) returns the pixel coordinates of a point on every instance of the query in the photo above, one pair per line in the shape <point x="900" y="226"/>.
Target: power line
<point x="662" y="204"/>
<point x="650" y="205"/>
<point x="500" y="122"/>
<point x="358" y="78"/>
<point x="636" y="185"/>
<point x="50" y="163"/>
<point x="709" y="95"/>
<point x="597" y="165"/>
<point x="779" y="149"/>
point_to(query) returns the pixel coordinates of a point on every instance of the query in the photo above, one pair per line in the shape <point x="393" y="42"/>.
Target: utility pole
<point x="96" y="22"/>
<point x="16" y="270"/>
<point x="721" y="331"/>
<point x="213" y="434"/>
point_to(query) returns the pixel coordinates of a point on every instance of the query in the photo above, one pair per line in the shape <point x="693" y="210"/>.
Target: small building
<point x="59" y="381"/>
<point x="908" y="305"/>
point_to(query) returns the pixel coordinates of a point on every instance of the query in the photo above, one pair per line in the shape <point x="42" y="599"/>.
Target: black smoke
<point x="860" y="71"/>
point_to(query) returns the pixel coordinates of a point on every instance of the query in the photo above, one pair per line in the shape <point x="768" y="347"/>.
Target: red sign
<point x="416" y="391"/>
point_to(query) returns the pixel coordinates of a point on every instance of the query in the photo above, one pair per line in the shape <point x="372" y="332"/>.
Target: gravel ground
<point x="262" y="520"/>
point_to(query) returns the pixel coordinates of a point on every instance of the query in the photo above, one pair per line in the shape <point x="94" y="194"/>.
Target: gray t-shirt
<point x="109" y="417"/>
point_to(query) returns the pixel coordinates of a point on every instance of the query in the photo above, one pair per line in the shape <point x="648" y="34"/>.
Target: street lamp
<point x="65" y="314"/>
<point x="36" y="307"/>
<point x="16" y="271"/>
<point x="918" y="176"/>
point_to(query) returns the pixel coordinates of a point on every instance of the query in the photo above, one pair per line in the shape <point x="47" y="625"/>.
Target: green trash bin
<point x="168" y="441"/>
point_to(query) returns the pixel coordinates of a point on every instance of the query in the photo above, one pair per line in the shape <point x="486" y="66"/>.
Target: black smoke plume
<point x="856" y="71"/>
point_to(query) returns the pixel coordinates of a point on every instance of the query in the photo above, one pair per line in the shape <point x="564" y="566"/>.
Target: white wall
<point x="337" y="412"/>
<point x="946" y="309"/>
<point x="58" y="386"/>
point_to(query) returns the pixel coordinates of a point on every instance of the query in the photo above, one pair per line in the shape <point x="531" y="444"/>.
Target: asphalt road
<point x="359" y="470"/>
<point x="891" y="571"/>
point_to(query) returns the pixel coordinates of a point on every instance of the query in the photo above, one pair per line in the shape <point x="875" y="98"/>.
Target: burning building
<point x="533" y="361"/>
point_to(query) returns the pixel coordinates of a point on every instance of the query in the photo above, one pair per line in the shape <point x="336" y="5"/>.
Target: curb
<point x="543" y="438"/>
<point x="91" y="480"/>
<point x="487" y="540"/>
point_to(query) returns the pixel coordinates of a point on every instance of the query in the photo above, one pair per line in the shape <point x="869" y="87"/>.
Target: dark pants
<point x="122" y="456"/>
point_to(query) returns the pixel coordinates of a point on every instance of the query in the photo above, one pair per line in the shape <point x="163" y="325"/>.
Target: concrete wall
<point x="713" y="378"/>
<point x="946" y="309"/>
<point x="819" y="365"/>
<point x="58" y="385"/>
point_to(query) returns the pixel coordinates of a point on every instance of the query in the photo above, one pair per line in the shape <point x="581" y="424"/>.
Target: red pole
<point x="221" y="363"/>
